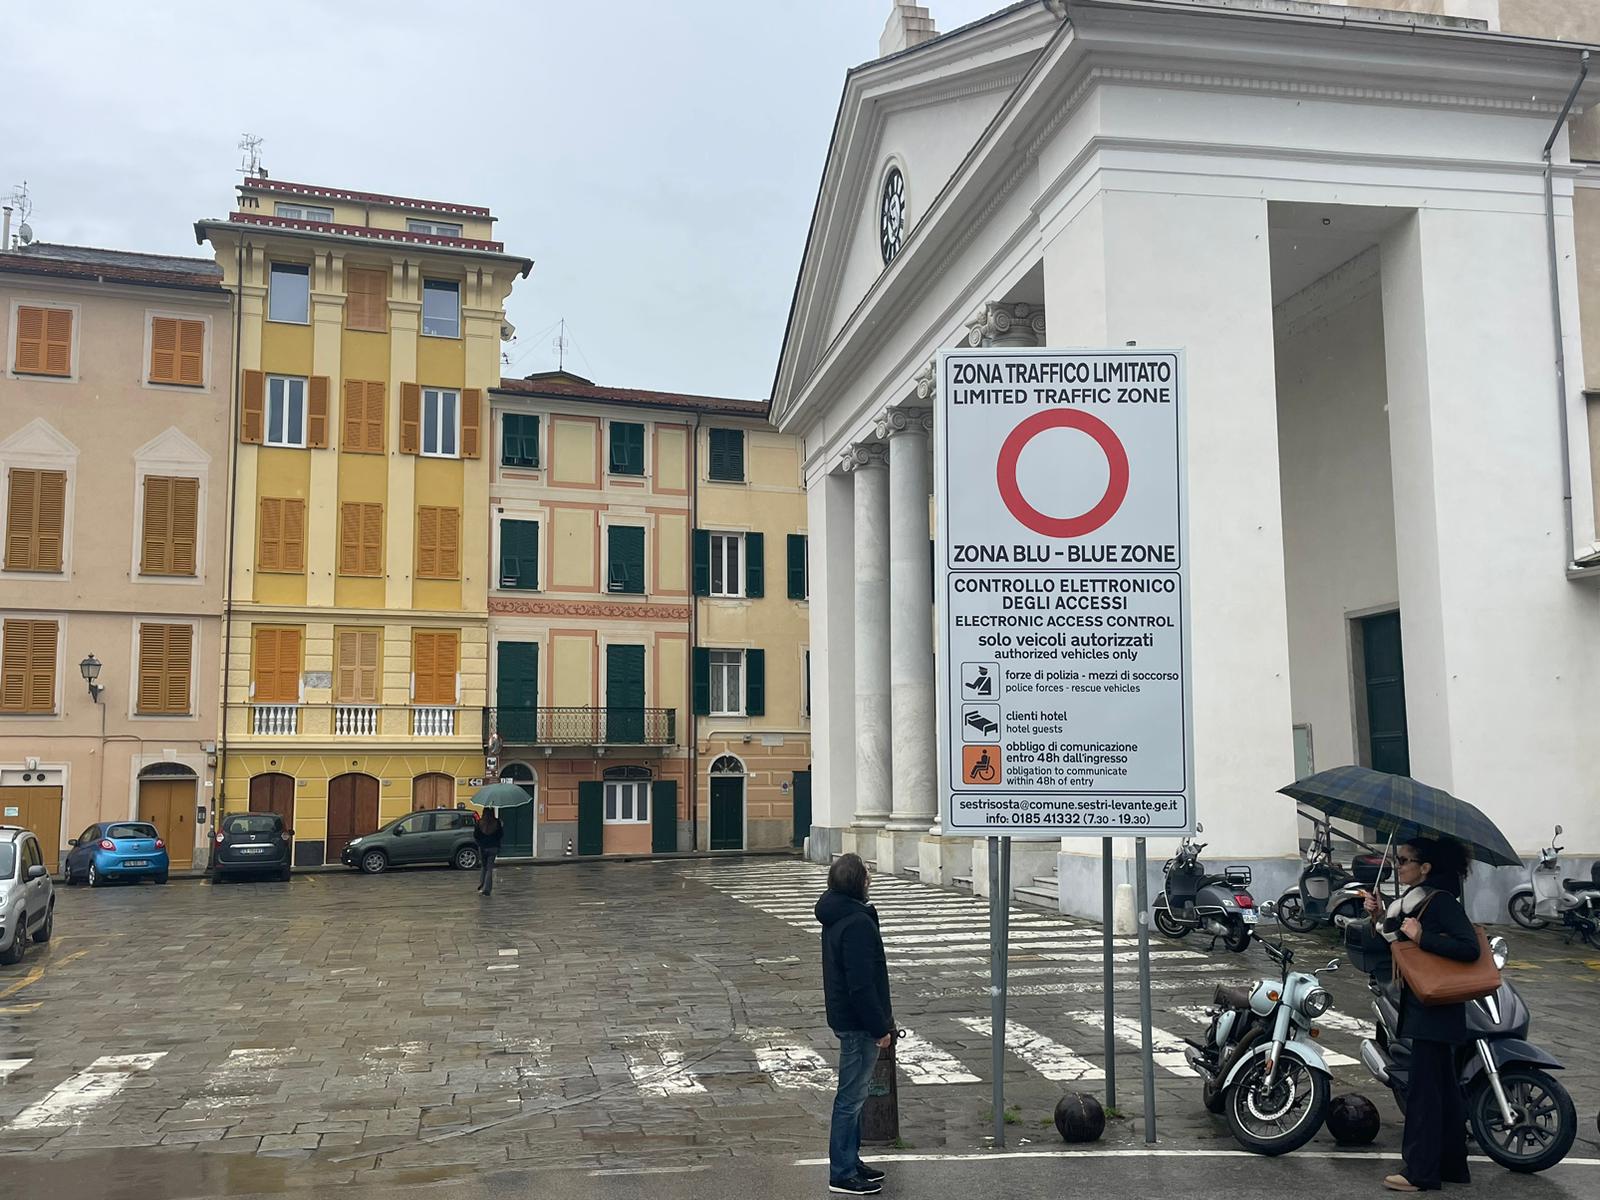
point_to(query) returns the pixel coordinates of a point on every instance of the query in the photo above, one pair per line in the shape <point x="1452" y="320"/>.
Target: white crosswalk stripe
<point x="789" y="1063"/>
<point x="10" y="1066"/>
<point x="1050" y="1058"/>
<point x="923" y="1062"/>
<point x="1165" y="1049"/>
<point x="72" y="1100"/>
<point x="658" y="1070"/>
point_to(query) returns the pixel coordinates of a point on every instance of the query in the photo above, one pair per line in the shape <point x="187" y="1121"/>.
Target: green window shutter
<point x="727" y="455"/>
<point x="519" y="440"/>
<point x="519" y="555"/>
<point x="799" y="585"/>
<point x="625" y="561"/>
<point x="702" y="682"/>
<point x="625" y="694"/>
<point x="517" y="691"/>
<point x="755" y="683"/>
<point x="664" y="816"/>
<point x="627" y="448"/>
<point x="591" y="817"/>
<point x="702" y="562"/>
<point x="755" y="565"/>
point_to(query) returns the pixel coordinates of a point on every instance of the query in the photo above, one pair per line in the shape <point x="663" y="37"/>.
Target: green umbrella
<point x="500" y="795"/>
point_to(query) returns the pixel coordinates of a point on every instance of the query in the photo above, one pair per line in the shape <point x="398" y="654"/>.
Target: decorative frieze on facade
<point x="587" y="609"/>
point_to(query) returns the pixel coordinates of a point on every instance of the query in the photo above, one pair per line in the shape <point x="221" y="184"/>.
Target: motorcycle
<point x="1518" y="1113"/>
<point x="1258" y="1064"/>
<point x="1574" y="903"/>
<point x="1192" y="899"/>
<point x="1326" y="889"/>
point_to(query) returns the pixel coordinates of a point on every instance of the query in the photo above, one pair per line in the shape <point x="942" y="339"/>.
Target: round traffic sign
<point x="1063" y="527"/>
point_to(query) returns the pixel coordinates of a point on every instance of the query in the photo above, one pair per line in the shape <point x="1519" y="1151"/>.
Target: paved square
<point x="598" y="1016"/>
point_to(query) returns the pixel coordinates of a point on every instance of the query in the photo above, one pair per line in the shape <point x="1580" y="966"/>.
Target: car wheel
<point x="161" y="878"/>
<point x="467" y="859"/>
<point x="374" y="862"/>
<point x="19" y="946"/>
<point x="94" y="876"/>
<point x="49" y="926"/>
<point x="283" y="874"/>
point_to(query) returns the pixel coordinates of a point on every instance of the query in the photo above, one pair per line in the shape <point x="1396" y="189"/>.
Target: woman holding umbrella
<point x="488" y="833"/>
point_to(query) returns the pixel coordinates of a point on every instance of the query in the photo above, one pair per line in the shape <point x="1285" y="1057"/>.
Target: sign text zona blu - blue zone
<point x="1157" y="553"/>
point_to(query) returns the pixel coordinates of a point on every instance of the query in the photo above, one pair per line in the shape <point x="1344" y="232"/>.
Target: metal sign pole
<point x="1106" y="891"/>
<point x="997" y="1000"/>
<point x="1147" y="1038"/>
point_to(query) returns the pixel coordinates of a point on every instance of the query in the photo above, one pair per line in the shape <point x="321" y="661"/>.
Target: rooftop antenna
<point x="22" y="203"/>
<point x="250" y="164"/>
<point x="560" y="343"/>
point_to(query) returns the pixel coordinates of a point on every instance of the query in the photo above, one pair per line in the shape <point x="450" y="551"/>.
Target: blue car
<point x="117" y="850"/>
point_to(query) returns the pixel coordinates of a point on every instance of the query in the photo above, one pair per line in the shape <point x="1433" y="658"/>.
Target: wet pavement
<point x="609" y="1024"/>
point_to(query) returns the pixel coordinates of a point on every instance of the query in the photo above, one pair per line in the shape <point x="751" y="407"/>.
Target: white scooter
<point x="1548" y="898"/>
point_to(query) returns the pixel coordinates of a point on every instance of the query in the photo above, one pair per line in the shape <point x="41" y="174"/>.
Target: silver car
<point x="27" y="897"/>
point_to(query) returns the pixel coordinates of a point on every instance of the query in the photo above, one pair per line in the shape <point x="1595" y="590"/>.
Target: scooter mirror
<point x="1202" y="829"/>
<point x="1333" y="965"/>
<point x="1501" y="952"/>
<point x="1268" y="909"/>
<point x="1558" y="831"/>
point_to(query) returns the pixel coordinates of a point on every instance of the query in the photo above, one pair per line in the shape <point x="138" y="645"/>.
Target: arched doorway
<point x="273" y="793"/>
<point x="352" y="811"/>
<point x="522" y="822"/>
<point x="167" y="799"/>
<point x="727" y="804"/>
<point x="433" y="790"/>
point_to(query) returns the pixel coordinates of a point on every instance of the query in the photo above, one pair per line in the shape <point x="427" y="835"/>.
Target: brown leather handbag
<point x="1435" y="980"/>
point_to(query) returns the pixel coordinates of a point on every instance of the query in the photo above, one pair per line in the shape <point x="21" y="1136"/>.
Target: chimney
<point x="909" y="25"/>
<point x="5" y="230"/>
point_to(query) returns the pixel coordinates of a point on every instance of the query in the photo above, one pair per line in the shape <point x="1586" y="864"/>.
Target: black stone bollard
<point x="880" y="1116"/>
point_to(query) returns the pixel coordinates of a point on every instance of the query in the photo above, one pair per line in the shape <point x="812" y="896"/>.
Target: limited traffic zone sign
<point x="1116" y="482"/>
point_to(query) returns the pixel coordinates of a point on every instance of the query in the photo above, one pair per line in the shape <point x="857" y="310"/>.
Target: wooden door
<point x="517" y="692"/>
<point x="591" y="818"/>
<point x="168" y="805"/>
<point x="433" y="791"/>
<point x="624" y="694"/>
<point x="727" y="812"/>
<point x="37" y="809"/>
<point x="273" y="794"/>
<point x="1388" y="743"/>
<point x="352" y="812"/>
<point x="664" y="816"/>
<point x="801" y="792"/>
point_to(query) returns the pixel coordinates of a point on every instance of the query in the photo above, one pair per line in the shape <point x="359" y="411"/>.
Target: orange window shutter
<point x="377" y="402"/>
<point x="317" y="412"/>
<point x="410" y="418"/>
<point x="16" y="645"/>
<point x="427" y="543"/>
<point x="22" y="515"/>
<point x="265" y="664"/>
<point x="51" y="537"/>
<point x="346" y="654"/>
<point x="349" y="539"/>
<point x="372" y="539"/>
<point x="164" y="350"/>
<point x="450" y="543"/>
<point x="192" y="353"/>
<point x="352" y="427"/>
<point x="367" y="677"/>
<point x="471" y="422"/>
<point x="152" y="668"/>
<point x="41" y="697"/>
<point x="422" y="666"/>
<point x="277" y="666"/>
<point x="29" y="357"/>
<point x="366" y="306"/>
<point x="58" y="341"/>
<point x="253" y="407"/>
<point x="269" y="536"/>
<point x="180" y="668"/>
<point x="185" y="526"/>
<point x="294" y="535"/>
<point x="155" y="553"/>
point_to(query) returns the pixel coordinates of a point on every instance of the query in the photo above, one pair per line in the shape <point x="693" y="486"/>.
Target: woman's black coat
<point x="1447" y="933"/>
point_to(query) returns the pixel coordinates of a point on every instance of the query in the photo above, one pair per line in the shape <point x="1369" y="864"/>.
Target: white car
<point x="27" y="896"/>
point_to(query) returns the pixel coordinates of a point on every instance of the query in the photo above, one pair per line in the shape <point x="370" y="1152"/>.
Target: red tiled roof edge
<point x="306" y="189"/>
<point x="109" y="272"/>
<point x="366" y="231"/>
<point x="571" y="391"/>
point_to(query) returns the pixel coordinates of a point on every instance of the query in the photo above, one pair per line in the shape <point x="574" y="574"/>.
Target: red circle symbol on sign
<point x="1063" y="527"/>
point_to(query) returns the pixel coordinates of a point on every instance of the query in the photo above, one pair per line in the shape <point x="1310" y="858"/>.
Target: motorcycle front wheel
<point x="1275" y="1120"/>
<point x="1521" y="908"/>
<point x="1166" y="926"/>
<point x="1292" y="914"/>
<point x="1545" y="1124"/>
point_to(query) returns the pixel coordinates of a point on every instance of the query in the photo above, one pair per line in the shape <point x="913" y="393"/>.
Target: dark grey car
<point x="439" y="835"/>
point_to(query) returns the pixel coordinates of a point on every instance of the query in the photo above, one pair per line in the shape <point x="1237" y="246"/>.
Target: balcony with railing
<point x="338" y="722"/>
<point x="647" y="727"/>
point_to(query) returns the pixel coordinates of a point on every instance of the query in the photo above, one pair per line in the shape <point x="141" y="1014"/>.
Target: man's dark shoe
<point x="856" y="1186"/>
<point x="870" y="1174"/>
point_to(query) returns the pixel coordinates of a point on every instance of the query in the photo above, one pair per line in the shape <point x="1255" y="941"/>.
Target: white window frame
<point x="455" y="285"/>
<point x="284" y="399"/>
<point x="720" y="542"/>
<point x="731" y="673"/>
<point x="302" y="212"/>
<point x="435" y="228"/>
<point x="431" y="423"/>
<point x="11" y="340"/>
<point x="630" y="796"/>
<point x="292" y="268"/>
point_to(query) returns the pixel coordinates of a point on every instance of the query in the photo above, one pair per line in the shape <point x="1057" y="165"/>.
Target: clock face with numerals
<point x="892" y="215"/>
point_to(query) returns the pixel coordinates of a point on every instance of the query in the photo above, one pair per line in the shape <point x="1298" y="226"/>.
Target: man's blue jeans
<point x="858" y="1054"/>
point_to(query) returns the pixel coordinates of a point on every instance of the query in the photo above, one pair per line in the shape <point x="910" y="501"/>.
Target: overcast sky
<point x="657" y="160"/>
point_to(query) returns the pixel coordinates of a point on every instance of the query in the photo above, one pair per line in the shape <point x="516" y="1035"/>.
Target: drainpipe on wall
<point x="1572" y="569"/>
<point x="219" y="779"/>
<point x="694" y="627"/>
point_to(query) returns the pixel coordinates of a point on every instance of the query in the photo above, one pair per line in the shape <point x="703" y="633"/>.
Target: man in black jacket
<point x="855" y="986"/>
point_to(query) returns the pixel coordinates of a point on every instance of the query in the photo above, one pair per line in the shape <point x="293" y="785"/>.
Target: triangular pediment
<point x="40" y="441"/>
<point x="172" y="446"/>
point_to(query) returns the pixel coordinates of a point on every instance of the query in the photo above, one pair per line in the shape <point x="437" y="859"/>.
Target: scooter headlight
<point x="1317" y="1001"/>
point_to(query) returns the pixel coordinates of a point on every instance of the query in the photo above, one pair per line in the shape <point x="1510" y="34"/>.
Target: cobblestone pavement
<point x="598" y="1017"/>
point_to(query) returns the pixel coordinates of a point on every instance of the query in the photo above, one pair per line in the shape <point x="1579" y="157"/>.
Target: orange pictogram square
<point x="980" y="764"/>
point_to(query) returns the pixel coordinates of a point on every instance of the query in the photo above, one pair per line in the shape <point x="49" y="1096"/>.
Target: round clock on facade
<point x="892" y="215"/>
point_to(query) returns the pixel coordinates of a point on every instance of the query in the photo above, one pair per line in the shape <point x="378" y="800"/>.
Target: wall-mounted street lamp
<point x="90" y="669"/>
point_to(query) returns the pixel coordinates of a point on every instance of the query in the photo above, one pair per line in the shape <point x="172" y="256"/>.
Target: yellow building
<point x="627" y="663"/>
<point x="356" y="626"/>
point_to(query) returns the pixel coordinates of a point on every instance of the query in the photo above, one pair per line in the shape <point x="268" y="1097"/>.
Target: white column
<point x="915" y="785"/>
<point x="868" y="465"/>
<point x="833" y="706"/>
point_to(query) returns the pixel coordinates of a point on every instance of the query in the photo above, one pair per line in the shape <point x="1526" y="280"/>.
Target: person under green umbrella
<point x="488" y="834"/>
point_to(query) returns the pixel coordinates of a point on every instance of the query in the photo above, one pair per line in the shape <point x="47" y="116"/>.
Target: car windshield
<point x="8" y="859"/>
<point x="131" y="831"/>
<point x="254" y="823"/>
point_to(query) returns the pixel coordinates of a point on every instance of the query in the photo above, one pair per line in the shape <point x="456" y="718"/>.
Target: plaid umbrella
<point x="500" y="795"/>
<point x="1400" y="806"/>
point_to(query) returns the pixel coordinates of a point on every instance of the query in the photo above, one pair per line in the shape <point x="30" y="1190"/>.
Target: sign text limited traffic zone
<point x="1063" y="585"/>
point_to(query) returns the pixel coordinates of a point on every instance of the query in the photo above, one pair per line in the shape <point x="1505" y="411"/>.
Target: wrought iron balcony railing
<point x="582" y="726"/>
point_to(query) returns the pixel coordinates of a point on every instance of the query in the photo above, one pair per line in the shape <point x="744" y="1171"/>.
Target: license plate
<point x="137" y="862"/>
<point x="1249" y="917"/>
<point x="253" y="849"/>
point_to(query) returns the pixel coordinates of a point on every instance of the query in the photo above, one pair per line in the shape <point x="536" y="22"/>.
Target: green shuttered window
<point x="755" y="565"/>
<point x="625" y="559"/>
<point x="519" y="440"/>
<point x="519" y="555"/>
<point x="627" y="448"/>
<point x="724" y="678"/>
<point x="755" y="683"/>
<point x="799" y="583"/>
<point x="727" y="455"/>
